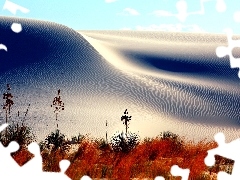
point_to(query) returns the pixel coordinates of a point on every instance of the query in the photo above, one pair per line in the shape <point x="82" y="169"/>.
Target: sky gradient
<point x="167" y="15"/>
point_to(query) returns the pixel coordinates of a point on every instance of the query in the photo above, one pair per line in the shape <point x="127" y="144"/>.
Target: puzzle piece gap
<point x="223" y="51"/>
<point x="226" y="150"/>
<point x="16" y="27"/>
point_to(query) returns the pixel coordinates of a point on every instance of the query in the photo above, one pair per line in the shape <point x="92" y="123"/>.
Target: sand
<point x="167" y="81"/>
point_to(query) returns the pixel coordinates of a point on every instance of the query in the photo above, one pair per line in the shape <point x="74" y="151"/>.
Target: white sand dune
<point x="167" y="81"/>
<point x="182" y="64"/>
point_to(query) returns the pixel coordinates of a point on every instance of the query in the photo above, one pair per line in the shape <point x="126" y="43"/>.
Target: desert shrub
<point x="53" y="150"/>
<point x="176" y="143"/>
<point x="102" y="144"/>
<point x="76" y="139"/>
<point x="54" y="141"/>
<point x="124" y="143"/>
<point x="169" y="135"/>
<point x="23" y="135"/>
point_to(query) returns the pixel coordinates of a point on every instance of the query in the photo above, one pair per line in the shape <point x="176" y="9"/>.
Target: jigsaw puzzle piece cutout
<point x="3" y="126"/>
<point x="223" y="51"/>
<point x="63" y="164"/>
<point x="85" y="178"/>
<point x="220" y="139"/>
<point x="16" y="27"/>
<point x="227" y="150"/>
<point x="226" y="176"/>
<point x="237" y="16"/>
<point x="177" y="171"/>
<point x="2" y="46"/>
<point x="159" y="178"/>
<point x="182" y="6"/>
<point x="35" y="164"/>
<point x="9" y="165"/>
<point x="13" y="8"/>
<point x="221" y="6"/>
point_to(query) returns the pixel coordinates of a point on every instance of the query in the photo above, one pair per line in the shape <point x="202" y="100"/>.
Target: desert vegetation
<point x="149" y="157"/>
<point x="125" y="156"/>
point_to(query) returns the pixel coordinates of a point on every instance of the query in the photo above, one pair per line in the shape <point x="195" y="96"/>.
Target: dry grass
<point x="150" y="158"/>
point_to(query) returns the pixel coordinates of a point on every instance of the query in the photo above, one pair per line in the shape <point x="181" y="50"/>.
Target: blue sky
<point x="167" y="15"/>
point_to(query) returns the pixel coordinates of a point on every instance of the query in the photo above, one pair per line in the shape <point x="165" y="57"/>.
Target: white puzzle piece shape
<point x="222" y="51"/>
<point x="228" y="150"/>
